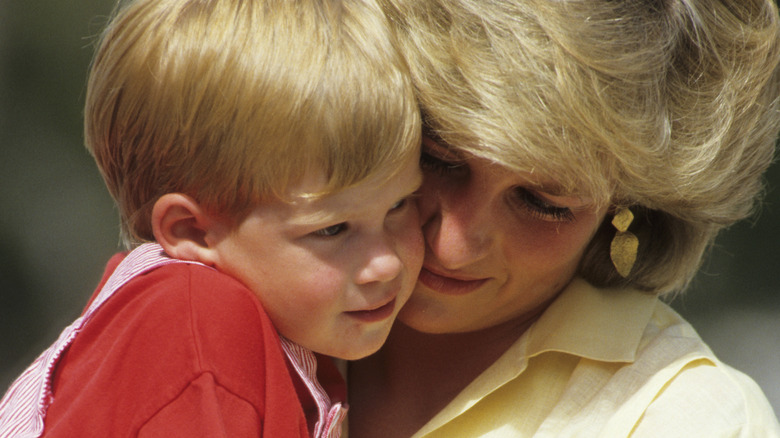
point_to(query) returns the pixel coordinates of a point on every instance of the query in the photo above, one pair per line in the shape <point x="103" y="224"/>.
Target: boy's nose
<point x="382" y="263"/>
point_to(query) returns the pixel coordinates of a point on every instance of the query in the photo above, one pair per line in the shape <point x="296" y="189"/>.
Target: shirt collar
<point x="331" y="412"/>
<point x="598" y="324"/>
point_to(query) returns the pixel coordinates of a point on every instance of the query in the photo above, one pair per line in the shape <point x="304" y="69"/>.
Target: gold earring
<point x="624" y="245"/>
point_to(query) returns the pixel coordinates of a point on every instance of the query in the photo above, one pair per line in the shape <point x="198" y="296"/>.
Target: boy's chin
<point x="356" y="350"/>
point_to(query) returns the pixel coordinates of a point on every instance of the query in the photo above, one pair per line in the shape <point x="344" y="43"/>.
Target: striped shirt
<point x="23" y="408"/>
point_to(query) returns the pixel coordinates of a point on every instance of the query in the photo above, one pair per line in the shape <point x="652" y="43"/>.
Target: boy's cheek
<point x="415" y="244"/>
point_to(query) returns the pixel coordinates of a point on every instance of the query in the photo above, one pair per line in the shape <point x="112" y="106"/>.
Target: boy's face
<point x="333" y="272"/>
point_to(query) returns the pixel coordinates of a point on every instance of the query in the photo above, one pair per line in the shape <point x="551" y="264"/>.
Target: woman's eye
<point x="539" y="208"/>
<point x="431" y="163"/>
<point x="432" y="159"/>
<point x="332" y="230"/>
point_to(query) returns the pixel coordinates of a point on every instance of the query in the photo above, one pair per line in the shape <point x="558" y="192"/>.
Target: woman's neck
<point x="415" y="375"/>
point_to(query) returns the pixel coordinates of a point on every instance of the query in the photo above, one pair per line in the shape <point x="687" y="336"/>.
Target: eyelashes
<point x="430" y="163"/>
<point x="400" y="204"/>
<point x="524" y="200"/>
<point x="537" y="206"/>
<point x="331" y="231"/>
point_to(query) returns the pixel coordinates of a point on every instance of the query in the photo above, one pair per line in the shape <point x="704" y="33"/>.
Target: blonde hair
<point x="231" y="101"/>
<point x="666" y="106"/>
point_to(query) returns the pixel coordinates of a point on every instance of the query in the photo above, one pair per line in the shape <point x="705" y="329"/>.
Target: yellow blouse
<point x="607" y="363"/>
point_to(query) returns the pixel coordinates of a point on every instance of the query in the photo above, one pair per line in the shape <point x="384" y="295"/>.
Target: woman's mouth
<point x="449" y="285"/>
<point x="374" y="315"/>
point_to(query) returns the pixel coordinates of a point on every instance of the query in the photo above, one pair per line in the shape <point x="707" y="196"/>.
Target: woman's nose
<point x="457" y="227"/>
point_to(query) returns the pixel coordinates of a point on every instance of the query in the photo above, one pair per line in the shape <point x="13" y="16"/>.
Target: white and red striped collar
<point x="330" y="414"/>
<point x="24" y="406"/>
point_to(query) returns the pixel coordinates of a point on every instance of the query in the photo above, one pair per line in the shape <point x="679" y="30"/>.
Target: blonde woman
<point x="580" y="157"/>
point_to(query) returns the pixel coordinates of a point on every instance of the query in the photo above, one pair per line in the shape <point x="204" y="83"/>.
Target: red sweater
<point x="180" y="351"/>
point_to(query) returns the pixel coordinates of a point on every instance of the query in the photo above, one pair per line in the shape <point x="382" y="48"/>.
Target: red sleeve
<point x="181" y="346"/>
<point x="204" y="409"/>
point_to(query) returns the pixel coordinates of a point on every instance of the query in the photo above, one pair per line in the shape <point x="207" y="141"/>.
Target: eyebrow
<point x="321" y="216"/>
<point x="315" y="218"/>
<point x="444" y="148"/>
<point x="552" y="189"/>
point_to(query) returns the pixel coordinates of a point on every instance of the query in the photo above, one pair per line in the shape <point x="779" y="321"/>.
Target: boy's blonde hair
<point x="669" y="106"/>
<point x="231" y="101"/>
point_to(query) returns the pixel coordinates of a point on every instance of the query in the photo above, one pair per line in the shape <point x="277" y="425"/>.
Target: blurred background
<point x="58" y="226"/>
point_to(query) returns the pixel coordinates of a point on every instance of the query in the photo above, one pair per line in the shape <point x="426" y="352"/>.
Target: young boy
<point x="264" y="153"/>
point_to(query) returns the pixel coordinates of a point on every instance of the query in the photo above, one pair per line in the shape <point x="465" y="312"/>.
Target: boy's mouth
<point x="374" y="315"/>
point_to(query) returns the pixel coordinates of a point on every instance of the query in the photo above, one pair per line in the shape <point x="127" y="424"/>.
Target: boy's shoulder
<point x="200" y="288"/>
<point x="196" y="303"/>
<point x="168" y="284"/>
<point x="163" y="332"/>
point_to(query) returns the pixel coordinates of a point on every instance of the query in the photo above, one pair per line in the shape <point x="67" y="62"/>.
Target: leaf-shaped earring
<point x="624" y="245"/>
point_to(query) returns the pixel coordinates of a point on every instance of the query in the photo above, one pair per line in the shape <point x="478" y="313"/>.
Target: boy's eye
<point x="538" y="207"/>
<point x="398" y="204"/>
<point x="332" y="230"/>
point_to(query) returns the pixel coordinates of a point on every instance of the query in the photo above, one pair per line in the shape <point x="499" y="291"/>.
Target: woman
<point x="580" y="157"/>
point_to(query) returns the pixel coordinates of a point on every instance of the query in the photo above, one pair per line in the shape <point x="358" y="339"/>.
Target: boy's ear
<point x="184" y="229"/>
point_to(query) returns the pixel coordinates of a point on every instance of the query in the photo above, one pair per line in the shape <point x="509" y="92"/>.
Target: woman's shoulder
<point x="673" y="387"/>
<point x="708" y="398"/>
<point x="688" y="391"/>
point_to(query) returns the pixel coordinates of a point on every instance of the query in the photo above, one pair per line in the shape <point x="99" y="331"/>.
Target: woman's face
<point x="500" y="245"/>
